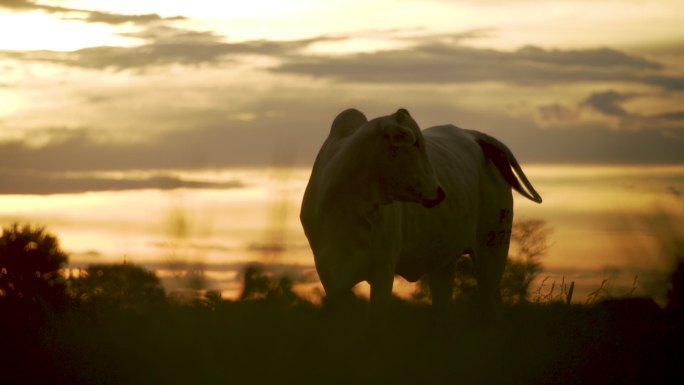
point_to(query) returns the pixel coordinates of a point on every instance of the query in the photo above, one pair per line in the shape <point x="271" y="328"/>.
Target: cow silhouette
<point x="386" y="198"/>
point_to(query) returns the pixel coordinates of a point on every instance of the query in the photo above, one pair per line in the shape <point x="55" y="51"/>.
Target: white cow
<point x="385" y="198"/>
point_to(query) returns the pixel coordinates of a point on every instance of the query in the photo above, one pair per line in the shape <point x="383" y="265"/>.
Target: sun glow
<point x="41" y="31"/>
<point x="8" y="103"/>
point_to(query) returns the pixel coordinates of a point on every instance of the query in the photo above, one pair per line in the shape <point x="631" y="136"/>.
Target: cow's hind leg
<point x="489" y="267"/>
<point x="493" y="238"/>
<point x="490" y="258"/>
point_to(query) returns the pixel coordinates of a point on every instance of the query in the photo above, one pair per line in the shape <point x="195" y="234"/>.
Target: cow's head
<point x="405" y="171"/>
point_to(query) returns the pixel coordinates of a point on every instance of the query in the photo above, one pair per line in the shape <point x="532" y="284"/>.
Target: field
<point x="283" y="339"/>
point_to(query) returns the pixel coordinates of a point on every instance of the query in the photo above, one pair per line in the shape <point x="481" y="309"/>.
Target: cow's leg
<point x="489" y="267"/>
<point x="381" y="296"/>
<point x="441" y="284"/>
<point x="339" y="298"/>
<point x="493" y="238"/>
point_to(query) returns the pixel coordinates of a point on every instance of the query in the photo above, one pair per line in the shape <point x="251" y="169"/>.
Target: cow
<point x="385" y="198"/>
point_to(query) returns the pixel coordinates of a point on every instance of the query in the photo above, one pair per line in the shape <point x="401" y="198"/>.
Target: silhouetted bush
<point x="30" y="266"/>
<point x="261" y="285"/>
<point x="122" y="285"/>
<point x="528" y="245"/>
<point x="675" y="295"/>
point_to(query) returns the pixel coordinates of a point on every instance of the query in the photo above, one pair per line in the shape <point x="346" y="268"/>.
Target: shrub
<point x="120" y="285"/>
<point x="30" y="266"/>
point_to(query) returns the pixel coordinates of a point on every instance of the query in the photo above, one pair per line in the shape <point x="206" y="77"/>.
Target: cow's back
<point x="432" y="237"/>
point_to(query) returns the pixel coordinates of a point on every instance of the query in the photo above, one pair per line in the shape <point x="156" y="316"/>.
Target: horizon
<point x="607" y="222"/>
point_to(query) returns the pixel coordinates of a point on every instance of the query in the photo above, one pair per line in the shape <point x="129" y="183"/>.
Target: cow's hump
<point x="346" y="122"/>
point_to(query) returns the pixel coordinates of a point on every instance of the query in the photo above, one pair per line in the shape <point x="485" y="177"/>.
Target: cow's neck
<point x="357" y="193"/>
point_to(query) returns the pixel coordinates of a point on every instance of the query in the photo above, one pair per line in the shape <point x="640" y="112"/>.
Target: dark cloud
<point x="84" y="15"/>
<point x="557" y="112"/>
<point x="608" y="102"/>
<point x="233" y="144"/>
<point x="592" y="58"/>
<point x="436" y="58"/>
<point x="440" y="62"/>
<point x="165" y="46"/>
<point x="165" y="33"/>
<point x="27" y="5"/>
<point x="668" y="125"/>
<point x="672" y="116"/>
<point x="675" y="83"/>
<point x="592" y="144"/>
<point x="114" y="18"/>
<point x="15" y="182"/>
<point x="294" y="139"/>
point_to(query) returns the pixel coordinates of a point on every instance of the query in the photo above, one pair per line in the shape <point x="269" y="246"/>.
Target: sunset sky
<point x="115" y="85"/>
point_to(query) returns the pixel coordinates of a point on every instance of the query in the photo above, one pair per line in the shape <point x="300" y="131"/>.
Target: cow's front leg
<point x="441" y="284"/>
<point x="381" y="282"/>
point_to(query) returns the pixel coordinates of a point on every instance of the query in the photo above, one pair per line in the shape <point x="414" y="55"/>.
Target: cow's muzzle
<point x="428" y="202"/>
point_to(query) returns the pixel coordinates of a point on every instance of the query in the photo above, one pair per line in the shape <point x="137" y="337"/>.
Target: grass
<point x="116" y="325"/>
<point x="281" y="340"/>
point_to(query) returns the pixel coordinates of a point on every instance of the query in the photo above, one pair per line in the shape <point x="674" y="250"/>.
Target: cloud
<point x="85" y="15"/>
<point x="16" y="182"/>
<point x="165" y="45"/>
<point x="671" y="116"/>
<point x="443" y="62"/>
<point x="293" y="138"/>
<point x="114" y="18"/>
<point x="593" y="144"/>
<point x="231" y="144"/>
<point x="591" y="58"/>
<point x="426" y="58"/>
<point x="608" y="102"/>
<point x="556" y="112"/>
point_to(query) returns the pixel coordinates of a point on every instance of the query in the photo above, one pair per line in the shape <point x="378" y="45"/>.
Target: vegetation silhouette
<point x="529" y="244"/>
<point x="119" y="327"/>
<point x="30" y="264"/>
<point x="257" y="284"/>
<point x="675" y="296"/>
<point x="125" y="285"/>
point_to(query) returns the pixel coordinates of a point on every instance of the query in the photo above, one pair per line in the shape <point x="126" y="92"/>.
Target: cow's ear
<point x="402" y="115"/>
<point x="347" y="122"/>
<point x="403" y="118"/>
<point x="400" y="136"/>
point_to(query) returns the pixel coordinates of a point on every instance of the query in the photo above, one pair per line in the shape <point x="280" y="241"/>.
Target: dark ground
<point x="629" y="341"/>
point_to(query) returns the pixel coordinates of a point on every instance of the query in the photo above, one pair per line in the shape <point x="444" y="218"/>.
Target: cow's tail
<point x="505" y="162"/>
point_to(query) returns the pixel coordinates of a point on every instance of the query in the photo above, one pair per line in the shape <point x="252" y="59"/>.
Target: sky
<point x="118" y="85"/>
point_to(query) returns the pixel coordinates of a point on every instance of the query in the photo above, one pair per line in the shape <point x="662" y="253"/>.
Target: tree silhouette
<point x="124" y="285"/>
<point x="30" y="264"/>
<point x="528" y="241"/>
<point x="675" y="295"/>
<point x="259" y="284"/>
